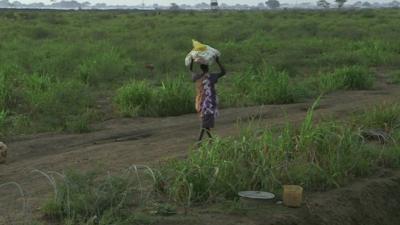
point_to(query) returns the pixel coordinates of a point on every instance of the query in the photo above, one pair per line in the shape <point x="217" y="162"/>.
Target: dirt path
<point x="119" y="143"/>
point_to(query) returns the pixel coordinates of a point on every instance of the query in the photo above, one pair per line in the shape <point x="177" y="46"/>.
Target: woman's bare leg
<point x="201" y="134"/>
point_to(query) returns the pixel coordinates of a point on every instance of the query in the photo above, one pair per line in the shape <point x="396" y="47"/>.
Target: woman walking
<point x="206" y="98"/>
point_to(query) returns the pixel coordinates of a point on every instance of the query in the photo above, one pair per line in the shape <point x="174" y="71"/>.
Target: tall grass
<point x="105" y="50"/>
<point x="55" y="103"/>
<point x="44" y="103"/>
<point x="316" y="156"/>
<point x="395" y="77"/>
<point x="3" y="117"/>
<point x="259" y="86"/>
<point x="134" y="98"/>
<point x="88" y="198"/>
<point x="384" y="116"/>
<point x="271" y="86"/>
<point x="108" y="66"/>
<point x="173" y="97"/>
<point x="6" y="90"/>
<point x="347" y="78"/>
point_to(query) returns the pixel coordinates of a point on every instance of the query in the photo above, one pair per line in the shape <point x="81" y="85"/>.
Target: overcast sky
<point x="167" y="2"/>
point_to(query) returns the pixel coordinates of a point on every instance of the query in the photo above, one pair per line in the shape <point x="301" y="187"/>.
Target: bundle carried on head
<point x="202" y="54"/>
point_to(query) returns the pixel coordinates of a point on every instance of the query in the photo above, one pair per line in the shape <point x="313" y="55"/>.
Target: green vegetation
<point x="55" y="66"/>
<point x="174" y="97"/>
<point x="255" y="87"/>
<point x="316" y="156"/>
<point x="395" y="77"/>
<point x="346" y="78"/>
<point x="385" y="116"/>
<point x="3" y="116"/>
<point x="93" y="199"/>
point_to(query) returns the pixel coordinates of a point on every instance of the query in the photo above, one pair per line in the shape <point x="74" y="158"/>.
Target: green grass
<point x="134" y="98"/>
<point x="385" y="116"/>
<point x="173" y="97"/>
<point x="317" y="156"/>
<point x="356" y="78"/>
<point x="346" y="78"/>
<point x="3" y="117"/>
<point x="264" y="86"/>
<point x="395" y="77"/>
<point x="89" y="199"/>
<point x="97" y="51"/>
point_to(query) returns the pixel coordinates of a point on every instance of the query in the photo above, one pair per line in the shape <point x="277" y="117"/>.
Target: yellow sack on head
<point x="201" y="54"/>
<point x="197" y="46"/>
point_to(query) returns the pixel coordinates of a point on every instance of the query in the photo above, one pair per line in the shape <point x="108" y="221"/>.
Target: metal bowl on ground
<point x="256" y="198"/>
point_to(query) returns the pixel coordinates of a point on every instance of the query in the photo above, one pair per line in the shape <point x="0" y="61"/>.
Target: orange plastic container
<point x="292" y="195"/>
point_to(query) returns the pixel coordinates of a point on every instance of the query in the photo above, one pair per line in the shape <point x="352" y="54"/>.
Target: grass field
<point x="56" y="66"/>
<point x="64" y="71"/>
